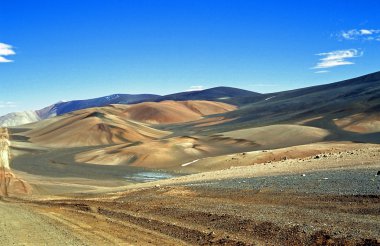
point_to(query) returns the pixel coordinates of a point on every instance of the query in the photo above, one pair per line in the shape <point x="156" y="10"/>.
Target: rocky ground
<point x="323" y="199"/>
<point x="200" y="215"/>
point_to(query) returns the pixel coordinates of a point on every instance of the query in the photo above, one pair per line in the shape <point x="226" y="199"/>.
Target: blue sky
<point x="70" y="49"/>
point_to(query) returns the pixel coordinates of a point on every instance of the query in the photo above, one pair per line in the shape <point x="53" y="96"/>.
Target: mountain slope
<point x="89" y="127"/>
<point x="26" y="117"/>
<point x="67" y="107"/>
<point x="212" y="94"/>
<point x="336" y="100"/>
<point x="19" y="118"/>
<point x="226" y="94"/>
<point x="168" y="112"/>
<point x="116" y="124"/>
<point x="322" y="103"/>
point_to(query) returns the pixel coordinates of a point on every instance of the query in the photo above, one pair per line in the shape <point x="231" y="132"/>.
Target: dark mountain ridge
<point x="220" y="93"/>
<point x="67" y="107"/>
<point x="327" y="102"/>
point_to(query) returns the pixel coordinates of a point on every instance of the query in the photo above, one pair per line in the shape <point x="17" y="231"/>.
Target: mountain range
<point x="213" y="94"/>
<point x="163" y="132"/>
<point x="358" y="95"/>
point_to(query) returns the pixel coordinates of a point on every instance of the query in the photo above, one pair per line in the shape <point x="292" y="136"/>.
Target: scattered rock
<point x="157" y="186"/>
<point x="303" y="175"/>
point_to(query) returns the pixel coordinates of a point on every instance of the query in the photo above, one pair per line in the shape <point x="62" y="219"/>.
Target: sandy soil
<point x="164" y="153"/>
<point x="116" y="124"/>
<point x="172" y="152"/>
<point x="88" y="128"/>
<point x="211" y="121"/>
<point x="275" y="136"/>
<point x="168" y="112"/>
<point x="360" y="123"/>
<point x="289" y="158"/>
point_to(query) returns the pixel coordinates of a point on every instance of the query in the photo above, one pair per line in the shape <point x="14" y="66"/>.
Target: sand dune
<point x="167" y="112"/>
<point x="275" y="136"/>
<point x="90" y="127"/>
<point x="117" y="124"/>
<point x="155" y="153"/>
<point x="360" y="123"/>
<point x="211" y="121"/>
<point x="164" y="153"/>
<point x="136" y="144"/>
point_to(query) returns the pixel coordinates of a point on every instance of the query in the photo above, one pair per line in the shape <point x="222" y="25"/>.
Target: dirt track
<point x="181" y="215"/>
<point x="21" y="226"/>
<point x="32" y="224"/>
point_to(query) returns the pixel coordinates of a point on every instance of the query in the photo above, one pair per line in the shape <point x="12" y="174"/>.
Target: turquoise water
<point x="148" y="176"/>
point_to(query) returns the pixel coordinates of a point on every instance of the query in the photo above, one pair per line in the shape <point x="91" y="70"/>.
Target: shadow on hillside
<point x="338" y="134"/>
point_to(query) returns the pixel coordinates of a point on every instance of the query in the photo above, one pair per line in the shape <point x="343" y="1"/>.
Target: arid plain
<point x="298" y="167"/>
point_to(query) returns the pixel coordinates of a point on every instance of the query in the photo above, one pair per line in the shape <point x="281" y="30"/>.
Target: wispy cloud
<point x="196" y="88"/>
<point x="8" y="104"/>
<point x="6" y="50"/>
<point x="337" y="58"/>
<point x="360" y="34"/>
<point x="322" y="71"/>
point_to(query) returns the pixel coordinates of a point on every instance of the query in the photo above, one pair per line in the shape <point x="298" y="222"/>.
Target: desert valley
<point x="220" y="166"/>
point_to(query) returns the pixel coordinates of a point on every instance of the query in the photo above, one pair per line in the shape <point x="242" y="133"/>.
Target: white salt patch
<point x="266" y="99"/>
<point x="189" y="163"/>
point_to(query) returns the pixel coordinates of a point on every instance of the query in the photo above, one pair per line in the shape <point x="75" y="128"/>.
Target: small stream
<point x="148" y="176"/>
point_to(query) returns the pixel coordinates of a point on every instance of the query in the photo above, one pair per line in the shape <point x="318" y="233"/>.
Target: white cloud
<point x="196" y="88"/>
<point x="322" y="71"/>
<point x="6" y="50"/>
<point x="360" y="34"/>
<point x="366" y="32"/>
<point x="337" y="58"/>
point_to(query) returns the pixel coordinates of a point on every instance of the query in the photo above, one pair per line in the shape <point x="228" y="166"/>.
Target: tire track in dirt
<point x="20" y="226"/>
